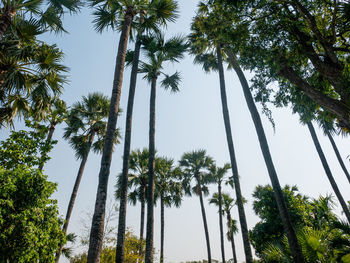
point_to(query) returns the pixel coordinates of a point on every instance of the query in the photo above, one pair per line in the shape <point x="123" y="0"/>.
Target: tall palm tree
<point x="227" y="204"/>
<point x="86" y="128"/>
<point x="168" y="190"/>
<point x="137" y="182"/>
<point x="218" y="173"/>
<point x="109" y="14"/>
<point x="158" y="51"/>
<point x="195" y="166"/>
<point x="157" y="13"/>
<point x="208" y="53"/>
<point x="328" y="170"/>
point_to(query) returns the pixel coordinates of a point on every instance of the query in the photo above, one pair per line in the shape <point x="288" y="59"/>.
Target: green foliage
<point x="30" y="229"/>
<point x="132" y="251"/>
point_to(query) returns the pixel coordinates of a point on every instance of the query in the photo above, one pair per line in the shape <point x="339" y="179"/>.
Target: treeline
<point x="302" y="46"/>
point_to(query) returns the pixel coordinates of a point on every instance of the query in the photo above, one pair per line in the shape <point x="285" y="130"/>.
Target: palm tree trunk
<point x="204" y="217"/>
<point x="221" y="225"/>
<point x="74" y="193"/>
<point x="232" y="240"/>
<point x="328" y="170"/>
<point x="161" y="229"/>
<point x="48" y="140"/>
<point x="142" y="223"/>
<point x="340" y="160"/>
<point x="282" y="207"/>
<point x="151" y="164"/>
<point x="6" y="17"/>
<point x="97" y="227"/>
<point x="226" y="115"/>
<point x="126" y="155"/>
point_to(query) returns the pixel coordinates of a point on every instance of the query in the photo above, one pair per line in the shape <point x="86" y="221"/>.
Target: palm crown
<point x="85" y="119"/>
<point x="157" y="52"/>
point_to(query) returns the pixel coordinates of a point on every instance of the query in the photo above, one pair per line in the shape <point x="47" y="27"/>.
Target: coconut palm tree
<point x="218" y="173"/>
<point x="227" y="205"/>
<point x="158" y="51"/>
<point x="328" y="170"/>
<point x="108" y="14"/>
<point x="195" y="166"/>
<point x="156" y="14"/>
<point x="86" y="128"/>
<point x="208" y="53"/>
<point x="168" y="190"/>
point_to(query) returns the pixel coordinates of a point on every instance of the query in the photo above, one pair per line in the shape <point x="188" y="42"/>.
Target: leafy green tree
<point x="168" y="190"/>
<point x="30" y="226"/>
<point x="195" y="166"/>
<point x="158" y="51"/>
<point x="301" y="45"/>
<point x="218" y="173"/>
<point x="270" y="228"/>
<point x="157" y="13"/>
<point x="86" y="128"/>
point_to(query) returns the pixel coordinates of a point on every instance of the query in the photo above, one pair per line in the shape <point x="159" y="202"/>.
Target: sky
<point x="186" y="121"/>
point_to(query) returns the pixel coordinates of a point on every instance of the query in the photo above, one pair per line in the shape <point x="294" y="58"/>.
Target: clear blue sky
<point x="185" y="121"/>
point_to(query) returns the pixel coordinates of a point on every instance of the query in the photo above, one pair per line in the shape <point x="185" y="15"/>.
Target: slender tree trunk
<point x="287" y="223"/>
<point x="226" y="115"/>
<point x="151" y="164"/>
<point x="221" y="225"/>
<point x="328" y="170"/>
<point x="340" y="160"/>
<point x="142" y="223"/>
<point x="97" y="227"/>
<point x="6" y="16"/>
<point x="232" y="240"/>
<point x="120" y="257"/>
<point x="204" y="217"/>
<point x="161" y="229"/>
<point x="74" y="193"/>
<point x="48" y="140"/>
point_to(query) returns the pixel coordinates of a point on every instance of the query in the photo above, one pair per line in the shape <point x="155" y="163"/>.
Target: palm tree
<point x="31" y="76"/>
<point x="47" y="14"/>
<point x="327" y="170"/>
<point x="157" y="52"/>
<point x="158" y="13"/>
<point x="55" y="114"/>
<point x="208" y="53"/>
<point x="195" y="166"/>
<point x="85" y="122"/>
<point x="218" y="173"/>
<point x="137" y="182"/>
<point x="168" y="190"/>
<point x="227" y="205"/>
<point x="108" y="14"/>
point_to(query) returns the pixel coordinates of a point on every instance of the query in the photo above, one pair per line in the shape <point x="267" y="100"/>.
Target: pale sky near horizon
<point x="186" y="121"/>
